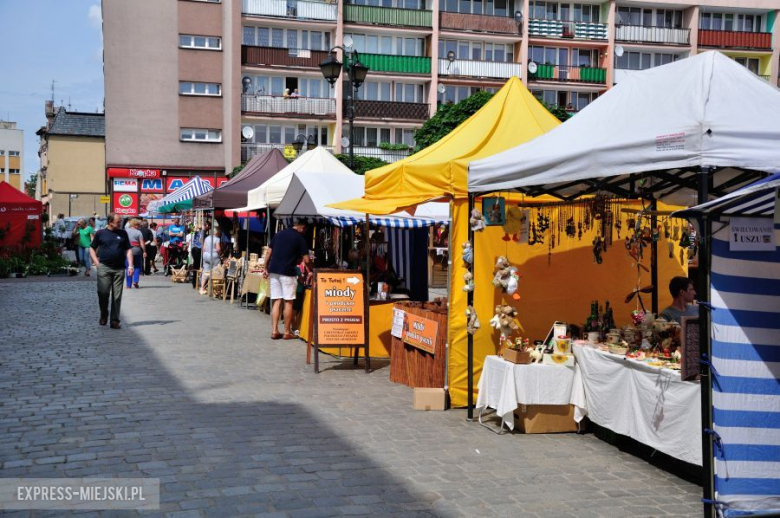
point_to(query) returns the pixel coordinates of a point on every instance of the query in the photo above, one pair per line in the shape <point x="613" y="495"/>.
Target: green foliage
<point x="29" y="186"/>
<point x="447" y="118"/>
<point x="558" y="112"/>
<point x="38" y="261"/>
<point x="236" y="170"/>
<point x="393" y="147"/>
<point x="362" y="163"/>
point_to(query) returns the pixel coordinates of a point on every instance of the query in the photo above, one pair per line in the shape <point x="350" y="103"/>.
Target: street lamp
<point x="298" y="143"/>
<point x="331" y="69"/>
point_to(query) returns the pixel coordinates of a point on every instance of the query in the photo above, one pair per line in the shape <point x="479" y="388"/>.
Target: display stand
<point x="339" y="313"/>
<point x="413" y="366"/>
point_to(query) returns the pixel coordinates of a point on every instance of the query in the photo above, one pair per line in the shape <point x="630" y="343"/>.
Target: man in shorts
<point x="284" y="253"/>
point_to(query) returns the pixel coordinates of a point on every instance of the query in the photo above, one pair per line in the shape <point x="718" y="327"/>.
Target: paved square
<point x="193" y="392"/>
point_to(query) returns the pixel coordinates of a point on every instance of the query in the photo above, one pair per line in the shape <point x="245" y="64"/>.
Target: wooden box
<point x="545" y="419"/>
<point x="517" y="356"/>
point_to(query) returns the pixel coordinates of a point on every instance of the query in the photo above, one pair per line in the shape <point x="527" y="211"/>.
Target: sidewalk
<point x="194" y="392"/>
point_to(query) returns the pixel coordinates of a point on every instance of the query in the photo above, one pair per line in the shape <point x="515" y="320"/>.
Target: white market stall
<point x="682" y="133"/>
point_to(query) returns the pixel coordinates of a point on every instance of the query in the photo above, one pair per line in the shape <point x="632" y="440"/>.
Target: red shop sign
<point x="125" y="203"/>
<point x="122" y="172"/>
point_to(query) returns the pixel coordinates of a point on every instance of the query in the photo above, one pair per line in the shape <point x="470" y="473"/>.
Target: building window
<point x="200" y="135"/>
<point x="13" y="153"/>
<point x="212" y="89"/>
<point x="188" y="41"/>
<point x="397" y="46"/>
<point x="13" y="171"/>
<point x="2" y="152"/>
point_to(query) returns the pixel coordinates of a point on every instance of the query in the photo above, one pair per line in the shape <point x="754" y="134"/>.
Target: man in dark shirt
<point x="284" y="253"/>
<point x="148" y="236"/>
<point x="110" y="251"/>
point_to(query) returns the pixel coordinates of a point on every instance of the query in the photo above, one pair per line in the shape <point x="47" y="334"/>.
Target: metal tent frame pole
<point x="470" y="337"/>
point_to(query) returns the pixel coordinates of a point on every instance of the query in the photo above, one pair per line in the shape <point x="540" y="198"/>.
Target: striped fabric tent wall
<point x="408" y="256"/>
<point x="746" y="378"/>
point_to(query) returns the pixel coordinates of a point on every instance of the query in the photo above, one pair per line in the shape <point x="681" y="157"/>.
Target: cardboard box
<point x="517" y="356"/>
<point x="429" y="399"/>
<point x="545" y="419"/>
<point x="562" y="346"/>
<point x="563" y="360"/>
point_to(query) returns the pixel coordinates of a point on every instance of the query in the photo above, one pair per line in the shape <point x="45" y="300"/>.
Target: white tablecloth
<point x="651" y="405"/>
<point x="505" y="386"/>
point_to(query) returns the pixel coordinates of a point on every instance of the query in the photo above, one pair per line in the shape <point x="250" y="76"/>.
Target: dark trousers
<point x="196" y="253"/>
<point x="151" y="254"/>
<point x="110" y="286"/>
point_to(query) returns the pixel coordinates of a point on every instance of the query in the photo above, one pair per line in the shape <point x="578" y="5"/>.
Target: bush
<point x="362" y="163"/>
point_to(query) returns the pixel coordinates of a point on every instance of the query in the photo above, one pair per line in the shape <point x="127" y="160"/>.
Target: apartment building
<point x="11" y="154"/>
<point x="420" y="53"/>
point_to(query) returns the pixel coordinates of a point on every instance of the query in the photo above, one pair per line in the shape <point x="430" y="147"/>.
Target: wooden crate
<point x="416" y="368"/>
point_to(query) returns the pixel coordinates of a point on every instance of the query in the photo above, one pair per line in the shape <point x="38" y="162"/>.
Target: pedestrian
<point x="283" y="255"/>
<point x="59" y="229"/>
<point x="211" y="250"/>
<point x="83" y="235"/>
<point x="148" y="235"/>
<point x="110" y="251"/>
<point x="683" y="305"/>
<point x="139" y="253"/>
<point x="151" y="250"/>
<point x="196" y="248"/>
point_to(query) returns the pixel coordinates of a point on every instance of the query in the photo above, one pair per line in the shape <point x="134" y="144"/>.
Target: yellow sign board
<point x="105" y="199"/>
<point x="289" y="152"/>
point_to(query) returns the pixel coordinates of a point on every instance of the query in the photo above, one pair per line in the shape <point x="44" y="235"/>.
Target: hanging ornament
<point x="666" y="229"/>
<point x="670" y="244"/>
<point x="597" y="249"/>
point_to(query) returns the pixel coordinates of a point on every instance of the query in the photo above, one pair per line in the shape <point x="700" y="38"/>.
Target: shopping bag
<point x="262" y="292"/>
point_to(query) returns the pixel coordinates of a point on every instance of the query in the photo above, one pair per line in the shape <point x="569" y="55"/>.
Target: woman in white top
<point x="210" y="256"/>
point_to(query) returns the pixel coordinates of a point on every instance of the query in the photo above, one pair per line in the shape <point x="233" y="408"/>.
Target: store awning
<point x="513" y="116"/>
<point x="195" y="187"/>
<point x="757" y="199"/>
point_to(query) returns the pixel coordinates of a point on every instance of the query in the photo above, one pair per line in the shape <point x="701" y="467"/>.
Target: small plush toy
<point x="504" y="320"/>
<point x="468" y="279"/>
<point x="473" y="322"/>
<point x="502" y="273"/>
<point x="515" y="217"/>
<point x="511" y="287"/>
<point x="468" y="254"/>
<point x="476" y="221"/>
<point x="536" y="355"/>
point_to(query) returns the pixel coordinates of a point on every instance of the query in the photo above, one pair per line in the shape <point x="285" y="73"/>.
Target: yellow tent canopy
<point x="513" y="116"/>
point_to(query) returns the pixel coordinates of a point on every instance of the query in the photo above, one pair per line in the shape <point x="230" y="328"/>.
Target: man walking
<point x="148" y="236"/>
<point x="284" y="253"/>
<point x="109" y="250"/>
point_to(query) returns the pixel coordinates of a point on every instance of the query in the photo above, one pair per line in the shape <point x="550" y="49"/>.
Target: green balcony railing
<point x="387" y="16"/>
<point x="569" y="74"/>
<point x="400" y="64"/>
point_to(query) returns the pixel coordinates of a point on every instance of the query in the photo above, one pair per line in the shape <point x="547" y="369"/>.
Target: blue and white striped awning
<point x="348" y="221"/>
<point x="195" y="187"/>
<point x="756" y="199"/>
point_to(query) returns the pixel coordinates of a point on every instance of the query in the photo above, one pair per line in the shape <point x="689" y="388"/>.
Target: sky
<point x="45" y="41"/>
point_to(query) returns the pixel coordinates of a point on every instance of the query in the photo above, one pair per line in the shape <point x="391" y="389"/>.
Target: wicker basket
<point x="617" y="349"/>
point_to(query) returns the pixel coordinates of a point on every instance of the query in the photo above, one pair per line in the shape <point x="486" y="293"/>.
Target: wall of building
<point x="76" y="165"/>
<point x="11" y="139"/>
<point x="142" y="70"/>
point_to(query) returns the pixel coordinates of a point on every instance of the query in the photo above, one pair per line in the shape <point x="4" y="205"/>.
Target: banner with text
<point x="420" y="332"/>
<point x="340" y="308"/>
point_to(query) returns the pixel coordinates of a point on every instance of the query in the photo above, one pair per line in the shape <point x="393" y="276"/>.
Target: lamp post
<point x="298" y="143"/>
<point x="331" y="69"/>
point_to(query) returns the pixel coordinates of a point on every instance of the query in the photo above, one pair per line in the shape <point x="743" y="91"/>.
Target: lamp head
<point x="359" y="73"/>
<point x="331" y="68"/>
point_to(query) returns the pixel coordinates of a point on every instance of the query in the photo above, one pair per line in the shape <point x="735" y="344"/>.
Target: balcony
<point x="387" y="16"/>
<point x="662" y="35"/>
<point x="260" y="56"/>
<point x="569" y="74"/>
<point x="387" y="155"/>
<point x="733" y="39"/>
<point x="248" y="149"/>
<point x="304" y="107"/>
<point x="478" y="23"/>
<point x="473" y="68"/>
<point x="390" y="110"/>
<point x="567" y="30"/>
<point x="398" y="64"/>
<point x="297" y="9"/>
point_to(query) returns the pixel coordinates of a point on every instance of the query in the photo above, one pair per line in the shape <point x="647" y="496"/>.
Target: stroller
<point x="176" y="257"/>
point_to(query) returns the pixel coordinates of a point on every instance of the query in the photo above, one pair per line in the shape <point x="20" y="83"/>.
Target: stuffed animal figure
<point x="511" y="287"/>
<point x="503" y="274"/>
<point x="476" y="221"/>
<point x="468" y="254"/>
<point x="473" y="322"/>
<point x="515" y="217"/>
<point x="536" y="355"/>
<point x="504" y="320"/>
<point x="468" y="279"/>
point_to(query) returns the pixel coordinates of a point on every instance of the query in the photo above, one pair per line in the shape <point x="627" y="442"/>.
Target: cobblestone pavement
<point x="192" y="392"/>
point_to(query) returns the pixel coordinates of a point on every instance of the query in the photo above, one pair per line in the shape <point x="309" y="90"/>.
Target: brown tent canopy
<point x="233" y="193"/>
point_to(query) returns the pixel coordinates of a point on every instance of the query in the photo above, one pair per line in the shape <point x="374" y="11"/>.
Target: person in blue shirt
<point x="286" y="250"/>
<point x="176" y="231"/>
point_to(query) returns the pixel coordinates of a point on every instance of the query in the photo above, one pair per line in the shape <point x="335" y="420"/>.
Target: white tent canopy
<point x="271" y="192"/>
<point x="703" y="111"/>
<point x="309" y="193"/>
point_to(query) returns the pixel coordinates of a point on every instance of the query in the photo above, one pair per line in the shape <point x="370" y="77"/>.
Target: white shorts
<point x="283" y="286"/>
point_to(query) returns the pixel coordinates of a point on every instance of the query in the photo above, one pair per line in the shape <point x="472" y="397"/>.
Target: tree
<point x="29" y="186"/>
<point x="447" y="118"/>
<point x="362" y="163"/>
<point x="236" y="170"/>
